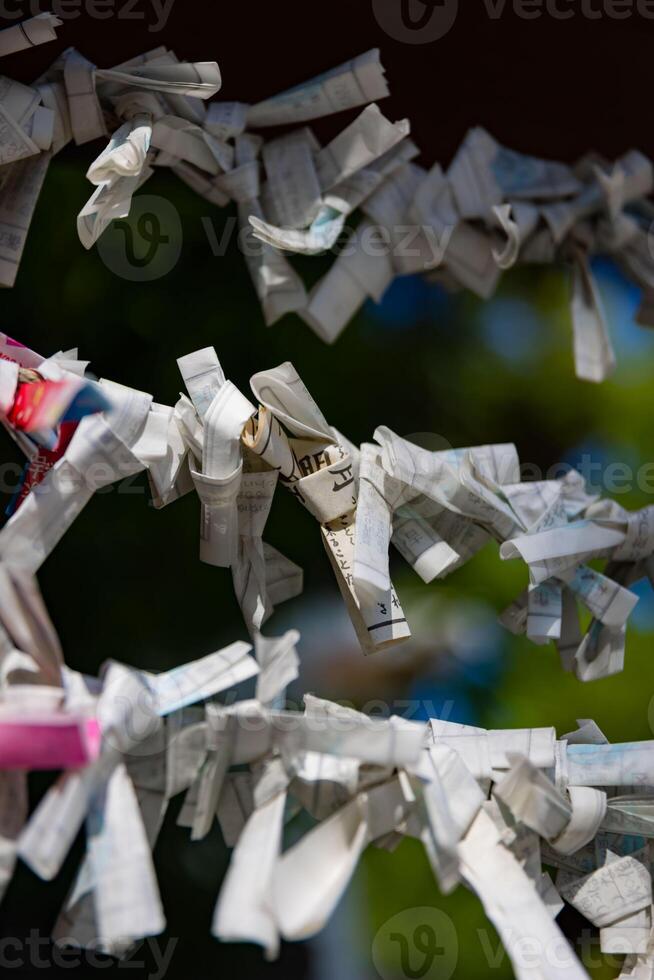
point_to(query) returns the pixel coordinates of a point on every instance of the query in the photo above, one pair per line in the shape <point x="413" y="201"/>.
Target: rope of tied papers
<point x="489" y="806"/>
<point x="492" y="208"/>
<point x="438" y="509"/>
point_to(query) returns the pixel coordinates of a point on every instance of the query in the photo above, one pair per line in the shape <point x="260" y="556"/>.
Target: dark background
<point x="126" y="582"/>
<point x="544" y="86"/>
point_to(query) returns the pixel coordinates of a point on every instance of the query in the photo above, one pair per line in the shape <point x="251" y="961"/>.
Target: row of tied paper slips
<point x="462" y="228"/>
<point x="492" y="808"/>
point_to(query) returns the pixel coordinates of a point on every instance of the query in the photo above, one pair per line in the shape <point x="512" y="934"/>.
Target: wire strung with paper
<point x="493" y="207"/>
<point x="438" y="509"/>
<point x="491" y="807"/>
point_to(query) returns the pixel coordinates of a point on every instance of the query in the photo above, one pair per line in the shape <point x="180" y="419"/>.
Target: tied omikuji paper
<point x="437" y="509"/>
<point x="463" y="227"/>
<point x="492" y="808"/>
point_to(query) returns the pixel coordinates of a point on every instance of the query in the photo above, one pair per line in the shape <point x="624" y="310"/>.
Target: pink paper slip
<point x="51" y="742"/>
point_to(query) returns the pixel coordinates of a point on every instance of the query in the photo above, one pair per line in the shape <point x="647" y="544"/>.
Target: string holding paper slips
<point x="437" y="509"/>
<point x="491" y="209"/>
<point x="490" y="807"/>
